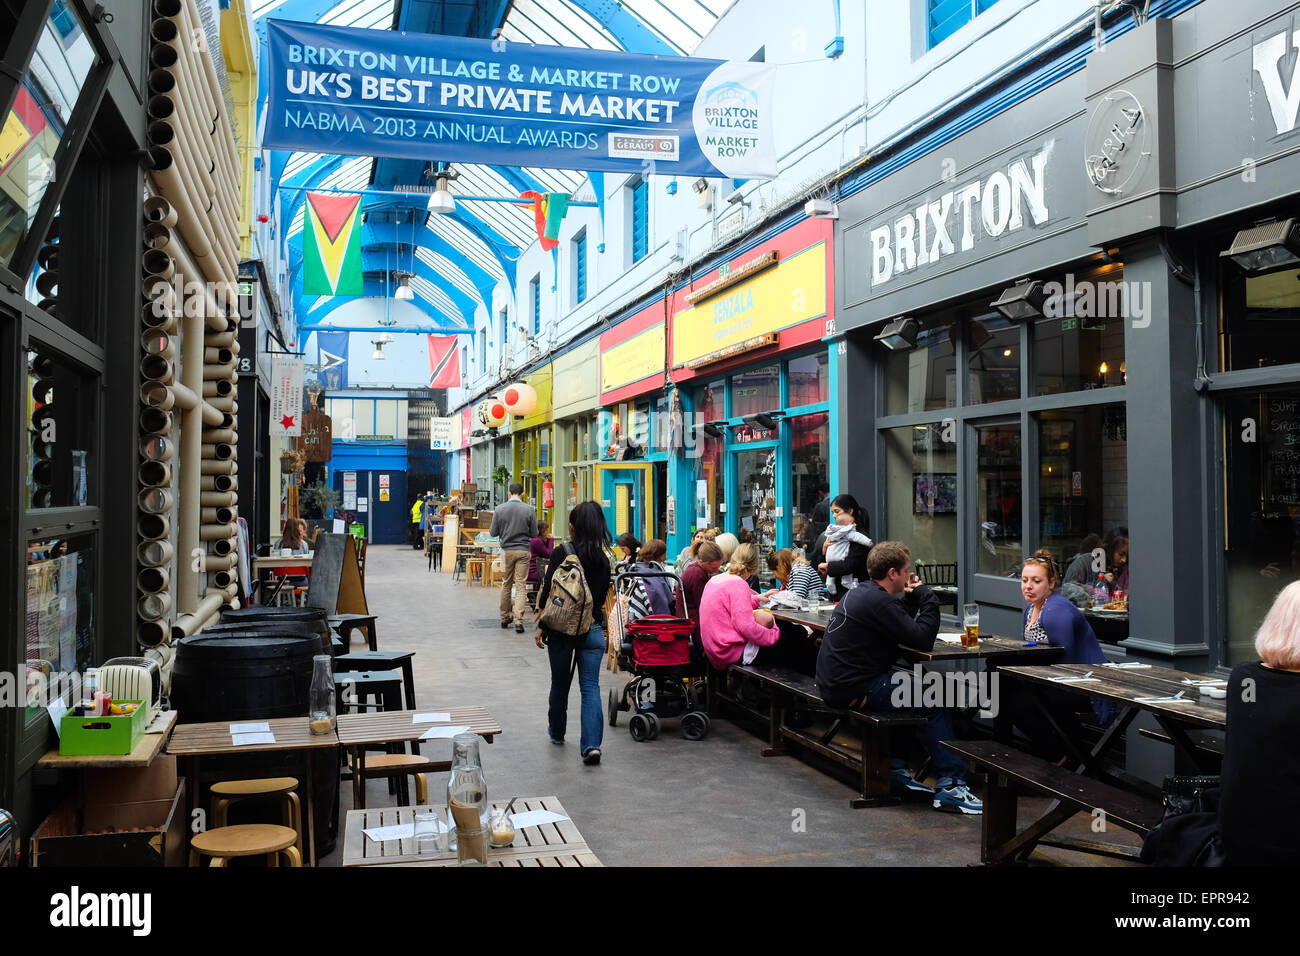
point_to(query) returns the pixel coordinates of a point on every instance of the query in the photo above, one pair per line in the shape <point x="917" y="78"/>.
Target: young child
<point x="841" y="534"/>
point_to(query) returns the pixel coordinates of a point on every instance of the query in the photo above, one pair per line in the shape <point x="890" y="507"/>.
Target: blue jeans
<point x="591" y="651"/>
<point x="949" y="767"/>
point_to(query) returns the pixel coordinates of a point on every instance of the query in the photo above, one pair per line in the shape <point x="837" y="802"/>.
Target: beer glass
<point x="971" y="619"/>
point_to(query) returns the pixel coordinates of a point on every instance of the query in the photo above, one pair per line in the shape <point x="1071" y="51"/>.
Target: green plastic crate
<point x="77" y="738"/>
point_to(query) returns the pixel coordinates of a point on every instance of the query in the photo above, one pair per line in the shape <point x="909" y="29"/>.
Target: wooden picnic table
<point x="194" y="741"/>
<point x="991" y="647"/>
<point x="359" y="731"/>
<point x="552" y="844"/>
<point x="1133" y="690"/>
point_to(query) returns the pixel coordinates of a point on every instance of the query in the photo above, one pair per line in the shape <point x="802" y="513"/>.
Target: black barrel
<point x="244" y="674"/>
<point x="258" y="616"/>
<point x="301" y="630"/>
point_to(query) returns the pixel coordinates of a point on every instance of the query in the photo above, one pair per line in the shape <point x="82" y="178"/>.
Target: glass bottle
<point x="321" y="703"/>
<point x="467" y="799"/>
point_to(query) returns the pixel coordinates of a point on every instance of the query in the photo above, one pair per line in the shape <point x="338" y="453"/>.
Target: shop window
<point x="1260" y="319"/>
<point x="708" y="467"/>
<point x="36" y="122"/>
<point x="756" y="512"/>
<point x="1261" y="481"/>
<point x="60" y="452"/>
<point x="925" y="377"/>
<point x="921" y="493"/>
<point x="943" y="18"/>
<point x="341" y="420"/>
<point x="1082" y="489"/>
<point x="809" y="379"/>
<point x="993" y="345"/>
<point x="1079" y="343"/>
<point x="997" y="500"/>
<point x="810" y="449"/>
<point x="363" y="418"/>
<point x="60" y="630"/>
<point x="758" y="390"/>
<point x="386" y="420"/>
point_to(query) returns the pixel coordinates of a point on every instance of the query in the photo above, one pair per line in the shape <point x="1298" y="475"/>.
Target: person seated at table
<point x="731" y="622"/>
<point x="1049" y="618"/>
<point x="796" y="575"/>
<point x="540" y="550"/>
<point x="728" y="542"/>
<point x="847" y="545"/>
<point x="708" y="560"/>
<point x="687" y="556"/>
<point x="1261" y="757"/>
<point x="294" y="537"/>
<point x="1117" y="565"/>
<point x="892" y="609"/>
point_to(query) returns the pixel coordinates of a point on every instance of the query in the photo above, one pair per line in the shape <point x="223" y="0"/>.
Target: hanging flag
<point x="444" y="362"/>
<point x="548" y="213"/>
<point x="332" y="357"/>
<point x="286" y="396"/>
<point x="332" y="246"/>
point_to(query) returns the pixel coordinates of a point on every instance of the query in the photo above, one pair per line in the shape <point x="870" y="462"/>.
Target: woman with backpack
<point x="578" y="598"/>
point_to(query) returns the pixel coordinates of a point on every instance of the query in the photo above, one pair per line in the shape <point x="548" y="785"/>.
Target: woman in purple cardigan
<point x="1049" y="618"/>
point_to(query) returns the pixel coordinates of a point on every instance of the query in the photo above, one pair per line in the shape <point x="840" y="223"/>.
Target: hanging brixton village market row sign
<point x="455" y="99"/>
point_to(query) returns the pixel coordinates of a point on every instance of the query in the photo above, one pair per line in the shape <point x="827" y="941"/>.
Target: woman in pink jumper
<point x="728" y="616"/>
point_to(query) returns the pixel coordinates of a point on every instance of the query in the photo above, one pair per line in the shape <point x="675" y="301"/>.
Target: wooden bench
<point x="799" y="691"/>
<point x="1012" y="772"/>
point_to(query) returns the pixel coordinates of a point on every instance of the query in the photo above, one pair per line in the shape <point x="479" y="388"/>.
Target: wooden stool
<point x="475" y="568"/>
<point x="248" y="839"/>
<point x="226" y="793"/>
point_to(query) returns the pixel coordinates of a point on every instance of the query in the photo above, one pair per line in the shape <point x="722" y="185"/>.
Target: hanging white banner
<point x="286" y="396"/>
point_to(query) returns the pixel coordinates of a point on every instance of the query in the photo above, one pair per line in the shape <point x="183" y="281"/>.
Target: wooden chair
<point x="943" y="575"/>
<point x="248" y="839"/>
<point x="226" y="793"/>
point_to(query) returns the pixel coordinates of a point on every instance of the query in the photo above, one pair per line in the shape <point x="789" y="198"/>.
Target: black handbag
<point x="1188" y="832"/>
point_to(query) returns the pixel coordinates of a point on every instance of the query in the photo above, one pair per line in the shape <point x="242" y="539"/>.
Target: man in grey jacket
<point x="514" y="523"/>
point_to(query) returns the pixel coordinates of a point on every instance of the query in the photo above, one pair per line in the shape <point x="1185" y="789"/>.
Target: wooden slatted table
<point x="194" y="741"/>
<point x="1132" y="691"/>
<point x="359" y="731"/>
<point x="552" y="844"/>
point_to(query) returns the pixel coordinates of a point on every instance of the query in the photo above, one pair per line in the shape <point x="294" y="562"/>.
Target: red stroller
<point x="669" y="677"/>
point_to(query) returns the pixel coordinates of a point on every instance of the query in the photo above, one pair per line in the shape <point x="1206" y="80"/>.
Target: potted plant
<point x="501" y="476"/>
<point x="317" y="499"/>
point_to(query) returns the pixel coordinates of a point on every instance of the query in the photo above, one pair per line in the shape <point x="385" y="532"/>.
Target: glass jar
<point x="321" y="703"/>
<point x="467" y="802"/>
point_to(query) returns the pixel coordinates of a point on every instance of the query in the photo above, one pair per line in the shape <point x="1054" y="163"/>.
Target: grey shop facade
<point x="1094" y="314"/>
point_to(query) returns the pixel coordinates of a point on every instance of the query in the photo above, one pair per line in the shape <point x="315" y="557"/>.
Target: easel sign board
<point x="336" y="576"/>
<point x="450" y="536"/>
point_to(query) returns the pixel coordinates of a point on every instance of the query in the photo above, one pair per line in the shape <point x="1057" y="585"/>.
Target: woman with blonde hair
<point x="1261" y="759"/>
<point x="730" y="617"/>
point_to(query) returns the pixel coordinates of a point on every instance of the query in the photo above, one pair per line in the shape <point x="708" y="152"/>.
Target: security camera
<point x="736" y="197"/>
<point x="700" y="185"/>
<point x="821" y="209"/>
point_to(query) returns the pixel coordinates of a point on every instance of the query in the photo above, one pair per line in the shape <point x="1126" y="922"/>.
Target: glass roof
<point x="680" y="24"/>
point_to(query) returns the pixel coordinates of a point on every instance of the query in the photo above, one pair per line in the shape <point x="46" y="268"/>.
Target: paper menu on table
<point x="949" y="638"/>
<point x="437" y="717"/>
<point x="254" y="727"/>
<point x="244" y="740"/>
<point x="439" y="733"/>
<point x="535" y="818"/>
<point x="401" y="831"/>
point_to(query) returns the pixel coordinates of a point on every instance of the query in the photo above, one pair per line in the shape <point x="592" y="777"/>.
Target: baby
<point x="841" y="533"/>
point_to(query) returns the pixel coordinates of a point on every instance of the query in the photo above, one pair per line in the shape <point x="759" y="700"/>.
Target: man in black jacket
<point x="854" y="665"/>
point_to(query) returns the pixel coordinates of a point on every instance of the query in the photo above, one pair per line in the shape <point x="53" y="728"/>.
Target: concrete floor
<point x="668" y="802"/>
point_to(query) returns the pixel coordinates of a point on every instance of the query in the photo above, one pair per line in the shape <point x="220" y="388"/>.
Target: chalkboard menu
<point x="1281" y="441"/>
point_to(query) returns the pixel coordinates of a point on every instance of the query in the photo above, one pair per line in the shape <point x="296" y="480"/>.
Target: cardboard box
<point x="102" y="833"/>
<point x="87" y="736"/>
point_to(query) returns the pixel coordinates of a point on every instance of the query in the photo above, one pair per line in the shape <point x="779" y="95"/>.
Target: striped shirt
<point x="804" y="581"/>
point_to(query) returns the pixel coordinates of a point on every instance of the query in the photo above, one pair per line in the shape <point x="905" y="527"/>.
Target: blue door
<point x="385" y="521"/>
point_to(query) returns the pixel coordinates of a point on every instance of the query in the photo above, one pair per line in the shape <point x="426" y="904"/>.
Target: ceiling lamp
<point x="442" y="203"/>
<point x="899" y="333"/>
<point x="519" y="399"/>
<point x="1022" y="301"/>
<point x="404" y="287"/>
<point x="1266" y="247"/>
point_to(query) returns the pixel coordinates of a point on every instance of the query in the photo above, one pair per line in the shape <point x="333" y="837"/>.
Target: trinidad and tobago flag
<point x="444" y="362"/>
<point x="332" y="246"/>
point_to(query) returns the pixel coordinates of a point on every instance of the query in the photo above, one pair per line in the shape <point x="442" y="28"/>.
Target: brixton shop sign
<point x="1001" y="202"/>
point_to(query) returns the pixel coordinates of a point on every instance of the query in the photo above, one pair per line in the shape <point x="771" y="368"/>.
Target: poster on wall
<point x="702" y="516"/>
<point x="671" y="518"/>
<point x="365" y="92"/>
<point x="349" y="491"/>
<point x="286" y="396"/>
<point x="443" y="433"/>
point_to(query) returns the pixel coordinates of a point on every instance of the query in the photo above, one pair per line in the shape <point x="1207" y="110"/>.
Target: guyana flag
<point x="332" y="246"/>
